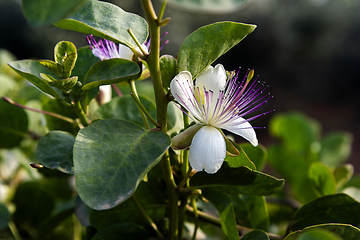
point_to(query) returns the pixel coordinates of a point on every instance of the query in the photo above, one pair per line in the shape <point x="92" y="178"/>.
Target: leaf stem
<point x="147" y="217"/>
<point x="162" y="10"/>
<point x="14" y="231"/>
<point x="138" y="44"/>
<point x="143" y="112"/>
<point x="216" y="221"/>
<point x="78" y="109"/>
<point x="37" y="110"/>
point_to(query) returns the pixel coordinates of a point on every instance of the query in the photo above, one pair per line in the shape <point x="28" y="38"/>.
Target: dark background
<point x="308" y="51"/>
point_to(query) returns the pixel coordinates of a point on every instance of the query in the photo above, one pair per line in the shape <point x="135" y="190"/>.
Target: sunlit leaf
<point x="202" y="47"/>
<point x="44" y="12"/>
<point x="322" y="179"/>
<point x="106" y="20"/>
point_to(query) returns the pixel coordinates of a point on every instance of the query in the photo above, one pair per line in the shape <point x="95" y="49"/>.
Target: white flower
<point x="216" y="102"/>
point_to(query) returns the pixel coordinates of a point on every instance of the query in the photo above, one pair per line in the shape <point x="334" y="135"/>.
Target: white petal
<point x="242" y="128"/>
<point x="207" y="150"/>
<point x="182" y="89"/>
<point x="212" y="78"/>
<point x="125" y="52"/>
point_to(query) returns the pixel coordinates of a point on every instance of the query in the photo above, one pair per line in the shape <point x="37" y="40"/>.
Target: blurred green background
<point x="308" y="51"/>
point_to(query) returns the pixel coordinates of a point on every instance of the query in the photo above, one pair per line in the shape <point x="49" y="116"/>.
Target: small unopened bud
<point x="183" y="140"/>
<point x="36" y="165"/>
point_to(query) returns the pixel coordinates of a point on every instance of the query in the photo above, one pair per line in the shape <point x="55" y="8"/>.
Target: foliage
<point x="111" y="170"/>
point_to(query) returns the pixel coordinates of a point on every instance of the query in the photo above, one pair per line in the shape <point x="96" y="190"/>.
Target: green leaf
<point x="319" y="234"/>
<point x="53" y="123"/>
<point x="43" y="12"/>
<point x="240" y="160"/>
<point x="241" y="180"/>
<point x="14" y="125"/>
<point x="297" y="131"/>
<point x="64" y="84"/>
<point x="122" y="231"/>
<point x="258" y="155"/>
<point x="4" y="216"/>
<point x="175" y="122"/>
<point x="65" y="53"/>
<point x="322" y="179"/>
<point x="202" y="47"/>
<point x="343" y="174"/>
<point x="54" y="151"/>
<point x="345" y="231"/>
<point x="337" y="208"/>
<point x="84" y="62"/>
<point x="110" y="71"/>
<point x="256" y="235"/>
<point x="208" y="6"/>
<point x="111" y="157"/>
<point x="125" y="108"/>
<point x="228" y="223"/>
<point x="150" y="199"/>
<point x="335" y="148"/>
<point x="30" y="70"/>
<point x="251" y="211"/>
<point x="106" y="20"/>
<point x="295" y="170"/>
<point x="167" y="69"/>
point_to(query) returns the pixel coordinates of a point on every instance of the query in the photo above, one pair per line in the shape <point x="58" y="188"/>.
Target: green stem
<point x="143" y="112"/>
<point x="78" y="109"/>
<point x="162" y="10"/>
<point x="37" y="110"/>
<point x="161" y="106"/>
<point x="150" y="221"/>
<point x="216" y="221"/>
<point x="196" y="216"/>
<point x="14" y="231"/>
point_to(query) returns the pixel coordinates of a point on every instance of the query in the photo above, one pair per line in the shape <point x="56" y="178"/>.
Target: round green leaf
<point x="319" y="234"/>
<point x="335" y="148"/>
<point x="343" y="174"/>
<point x="208" y="43"/>
<point x="296" y="130"/>
<point x="323" y="181"/>
<point x="54" y="151"/>
<point x="30" y="70"/>
<point x="337" y="208"/>
<point x="240" y="160"/>
<point x="167" y="69"/>
<point x="125" y="108"/>
<point x="122" y="231"/>
<point x="4" y="216"/>
<point x="209" y="6"/>
<point x="241" y="180"/>
<point x="345" y="231"/>
<point x="14" y="125"/>
<point x="110" y="71"/>
<point x="43" y="12"/>
<point x="106" y="20"/>
<point x="111" y="157"/>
